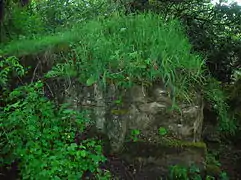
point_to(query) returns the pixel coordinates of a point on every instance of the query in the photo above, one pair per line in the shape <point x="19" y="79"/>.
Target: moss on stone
<point x="162" y="146"/>
<point x="166" y="152"/>
<point x="171" y="142"/>
<point x="183" y="144"/>
<point x="213" y="170"/>
<point x="119" y="111"/>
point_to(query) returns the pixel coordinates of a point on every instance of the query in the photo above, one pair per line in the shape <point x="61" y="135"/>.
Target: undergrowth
<point x="40" y="136"/>
<point x="178" y="172"/>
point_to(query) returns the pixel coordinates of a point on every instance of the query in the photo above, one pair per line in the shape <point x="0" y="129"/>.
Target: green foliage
<point x="40" y="44"/>
<point x="9" y="66"/>
<point x="211" y="159"/>
<point x="213" y="167"/>
<point x="213" y="30"/>
<point x="178" y="172"/>
<point x="134" y="134"/>
<point x="133" y="49"/>
<point x="25" y="23"/>
<point x="61" y="14"/>
<point x="47" y="17"/>
<point x="20" y="23"/>
<point x="233" y="91"/>
<point x="236" y="75"/>
<point x="215" y="95"/>
<point x="127" y="50"/>
<point x="42" y="138"/>
<point x="162" y="131"/>
<point x="224" y="176"/>
<point x="117" y="49"/>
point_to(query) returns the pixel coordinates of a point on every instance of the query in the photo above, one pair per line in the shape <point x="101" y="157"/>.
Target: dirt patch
<point x="230" y="159"/>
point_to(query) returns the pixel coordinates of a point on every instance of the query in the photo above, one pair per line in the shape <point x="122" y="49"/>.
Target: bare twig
<point x="34" y="72"/>
<point x="50" y="89"/>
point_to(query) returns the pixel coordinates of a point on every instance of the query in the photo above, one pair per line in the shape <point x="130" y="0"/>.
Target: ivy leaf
<point x="90" y="81"/>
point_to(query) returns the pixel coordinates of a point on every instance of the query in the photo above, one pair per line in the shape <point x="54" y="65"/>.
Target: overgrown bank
<point x="122" y="51"/>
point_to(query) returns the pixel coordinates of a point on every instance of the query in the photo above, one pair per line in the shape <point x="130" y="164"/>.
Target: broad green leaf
<point x="91" y="81"/>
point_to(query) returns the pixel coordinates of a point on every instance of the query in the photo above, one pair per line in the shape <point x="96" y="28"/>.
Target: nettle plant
<point x="41" y="137"/>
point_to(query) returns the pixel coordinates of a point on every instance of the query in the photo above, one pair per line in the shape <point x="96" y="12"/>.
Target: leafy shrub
<point x="41" y="137"/>
<point x="9" y="66"/>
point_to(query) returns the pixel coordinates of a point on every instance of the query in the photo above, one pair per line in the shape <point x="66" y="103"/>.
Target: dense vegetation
<point x="194" y="46"/>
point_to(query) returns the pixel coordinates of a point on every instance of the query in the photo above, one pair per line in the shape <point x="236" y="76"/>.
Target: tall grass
<point x="126" y="48"/>
<point x="143" y="47"/>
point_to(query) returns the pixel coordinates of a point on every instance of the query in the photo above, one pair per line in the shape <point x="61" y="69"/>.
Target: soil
<point x="9" y="173"/>
<point x="124" y="171"/>
<point x="230" y="159"/>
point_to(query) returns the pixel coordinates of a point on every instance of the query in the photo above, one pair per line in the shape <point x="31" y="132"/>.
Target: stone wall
<point x="146" y="110"/>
